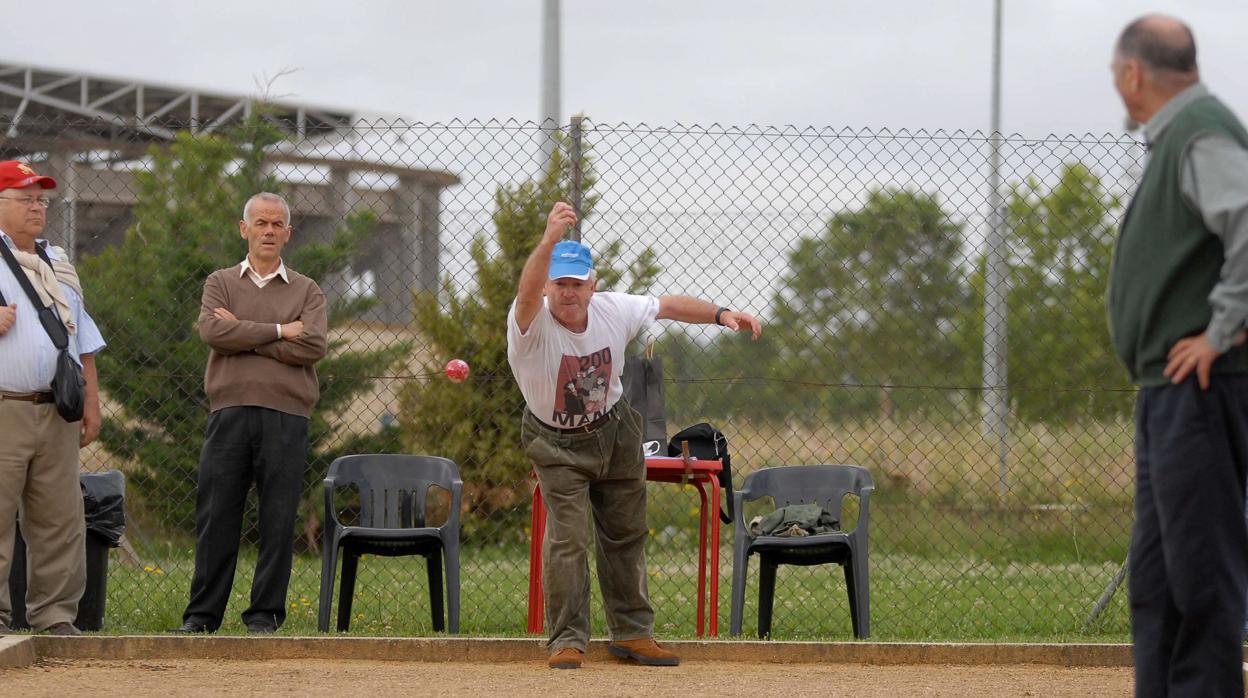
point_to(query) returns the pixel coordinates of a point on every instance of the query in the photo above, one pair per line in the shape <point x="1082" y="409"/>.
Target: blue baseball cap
<point x="570" y="260"/>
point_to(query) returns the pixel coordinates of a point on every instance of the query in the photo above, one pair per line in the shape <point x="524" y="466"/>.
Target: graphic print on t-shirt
<point x="581" y="396"/>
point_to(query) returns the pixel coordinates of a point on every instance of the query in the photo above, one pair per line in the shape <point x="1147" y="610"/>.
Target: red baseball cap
<point x="15" y="175"/>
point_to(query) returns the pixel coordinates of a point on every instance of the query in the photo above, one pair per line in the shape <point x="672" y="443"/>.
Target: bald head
<point x="1164" y="45"/>
<point x="1154" y="60"/>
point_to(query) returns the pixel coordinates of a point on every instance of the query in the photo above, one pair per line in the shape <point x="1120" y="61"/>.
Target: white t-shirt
<point x="569" y="379"/>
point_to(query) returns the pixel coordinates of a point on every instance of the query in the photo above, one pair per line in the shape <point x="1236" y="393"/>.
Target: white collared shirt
<point x="27" y="356"/>
<point x="262" y="281"/>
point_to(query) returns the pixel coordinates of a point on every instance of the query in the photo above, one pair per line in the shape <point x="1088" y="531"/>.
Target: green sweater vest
<point x="1166" y="261"/>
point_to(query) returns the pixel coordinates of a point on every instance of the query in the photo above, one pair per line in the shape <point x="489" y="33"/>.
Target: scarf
<point x="45" y="278"/>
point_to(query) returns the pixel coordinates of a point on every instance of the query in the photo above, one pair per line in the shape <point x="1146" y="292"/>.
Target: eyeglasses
<point x="28" y="201"/>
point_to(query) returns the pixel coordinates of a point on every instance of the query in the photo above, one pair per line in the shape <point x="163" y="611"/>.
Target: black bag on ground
<point x="643" y="388"/>
<point x="708" y="443"/>
<point x="104" y="504"/>
<point x="69" y="388"/>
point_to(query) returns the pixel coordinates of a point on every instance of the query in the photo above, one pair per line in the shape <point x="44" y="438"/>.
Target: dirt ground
<point x="601" y="678"/>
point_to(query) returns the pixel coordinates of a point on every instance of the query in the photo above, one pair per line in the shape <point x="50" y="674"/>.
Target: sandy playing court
<point x="54" y="677"/>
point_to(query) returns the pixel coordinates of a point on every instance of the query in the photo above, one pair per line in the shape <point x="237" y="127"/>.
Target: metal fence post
<point x="996" y="399"/>
<point x="550" y="76"/>
<point x="576" y="175"/>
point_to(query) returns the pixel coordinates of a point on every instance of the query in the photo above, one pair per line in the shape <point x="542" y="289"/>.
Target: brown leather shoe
<point x="566" y="658"/>
<point x="62" y="629"/>
<point x="645" y="651"/>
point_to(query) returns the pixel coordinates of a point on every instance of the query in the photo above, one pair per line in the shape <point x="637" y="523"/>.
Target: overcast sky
<point x="912" y="64"/>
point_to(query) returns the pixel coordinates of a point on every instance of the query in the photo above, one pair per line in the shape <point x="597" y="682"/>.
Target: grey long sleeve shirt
<point x="1214" y="182"/>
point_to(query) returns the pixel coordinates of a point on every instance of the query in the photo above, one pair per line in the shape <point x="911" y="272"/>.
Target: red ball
<point x="457" y="370"/>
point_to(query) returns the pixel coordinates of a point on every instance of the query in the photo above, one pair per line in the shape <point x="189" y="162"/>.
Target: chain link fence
<point x="864" y="251"/>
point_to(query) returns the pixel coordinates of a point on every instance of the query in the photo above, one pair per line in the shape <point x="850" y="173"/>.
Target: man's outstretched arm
<point x="700" y="312"/>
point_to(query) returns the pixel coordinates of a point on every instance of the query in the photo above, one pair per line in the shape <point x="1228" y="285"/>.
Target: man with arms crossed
<point x="266" y="325"/>
<point x="586" y="443"/>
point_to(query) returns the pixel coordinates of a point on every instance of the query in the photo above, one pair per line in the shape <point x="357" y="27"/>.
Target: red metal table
<point x="703" y="474"/>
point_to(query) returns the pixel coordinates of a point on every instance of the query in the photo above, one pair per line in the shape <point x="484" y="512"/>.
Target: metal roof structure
<point x="108" y="109"/>
<point x="93" y="132"/>
<point x="45" y="109"/>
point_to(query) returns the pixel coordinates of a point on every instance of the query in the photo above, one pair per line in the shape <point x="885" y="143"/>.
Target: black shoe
<point x="261" y="628"/>
<point x="62" y="629"/>
<point x="190" y="627"/>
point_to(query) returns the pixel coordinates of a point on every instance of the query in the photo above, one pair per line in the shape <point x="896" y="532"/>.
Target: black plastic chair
<point x="827" y="486"/>
<point x="392" y="490"/>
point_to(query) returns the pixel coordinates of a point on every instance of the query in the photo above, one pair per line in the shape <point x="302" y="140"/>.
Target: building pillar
<point x="428" y="234"/>
<point x="62" y="226"/>
<point x="341" y="202"/>
<point x="395" y="263"/>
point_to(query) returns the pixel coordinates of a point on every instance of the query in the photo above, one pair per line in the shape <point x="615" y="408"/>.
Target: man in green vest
<point x="1177" y="302"/>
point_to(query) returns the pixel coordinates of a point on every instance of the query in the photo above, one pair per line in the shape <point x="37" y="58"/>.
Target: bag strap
<point x="43" y="254"/>
<point x="50" y="320"/>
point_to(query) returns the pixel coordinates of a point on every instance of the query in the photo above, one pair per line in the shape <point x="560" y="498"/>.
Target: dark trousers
<point x="244" y="445"/>
<point x="1189" y="571"/>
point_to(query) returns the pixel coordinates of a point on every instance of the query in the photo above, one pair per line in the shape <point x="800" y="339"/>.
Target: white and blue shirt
<point x="27" y="356"/>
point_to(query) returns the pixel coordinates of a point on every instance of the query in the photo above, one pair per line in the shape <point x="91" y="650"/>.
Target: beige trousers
<point x="39" y="485"/>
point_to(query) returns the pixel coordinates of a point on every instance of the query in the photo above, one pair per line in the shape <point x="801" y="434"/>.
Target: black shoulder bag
<point x="69" y="388"/>
<point x="707" y="442"/>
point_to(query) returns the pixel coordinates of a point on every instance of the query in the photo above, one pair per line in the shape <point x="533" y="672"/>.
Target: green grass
<point x="951" y="557"/>
<point x="937" y="573"/>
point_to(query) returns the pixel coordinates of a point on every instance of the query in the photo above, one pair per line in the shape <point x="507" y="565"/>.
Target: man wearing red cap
<point x="39" y="449"/>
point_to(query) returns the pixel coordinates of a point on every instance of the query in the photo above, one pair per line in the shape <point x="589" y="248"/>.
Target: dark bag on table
<point x="708" y="443"/>
<point x="69" y="388"/>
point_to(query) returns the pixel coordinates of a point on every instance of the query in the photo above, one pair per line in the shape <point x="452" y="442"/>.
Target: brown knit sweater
<point x="248" y="364"/>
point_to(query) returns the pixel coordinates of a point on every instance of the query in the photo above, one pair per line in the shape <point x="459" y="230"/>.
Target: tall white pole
<point x="550" y="71"/>
<point x="996" y="401"/>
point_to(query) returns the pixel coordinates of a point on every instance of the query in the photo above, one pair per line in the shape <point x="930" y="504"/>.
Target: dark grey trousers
<point x="1189" y="571"/>
<point x="606" y="472"/>
<point x="244" y="445"/>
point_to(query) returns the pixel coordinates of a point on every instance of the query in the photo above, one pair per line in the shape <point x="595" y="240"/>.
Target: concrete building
<point x="92" y="133"/>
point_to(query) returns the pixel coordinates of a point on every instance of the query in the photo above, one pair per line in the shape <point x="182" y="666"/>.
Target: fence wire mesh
<point x="864" y="251"/>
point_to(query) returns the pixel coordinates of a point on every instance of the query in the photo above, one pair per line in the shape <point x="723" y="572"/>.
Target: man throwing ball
<point x="564" y="343"/>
